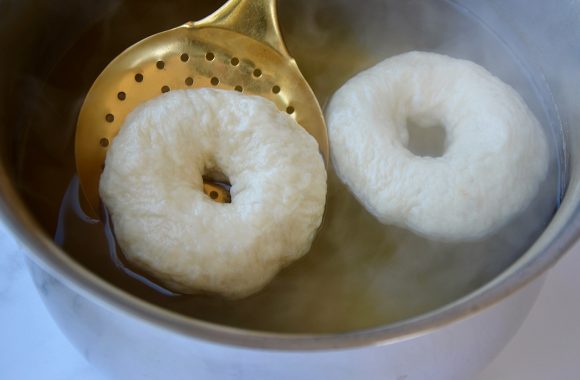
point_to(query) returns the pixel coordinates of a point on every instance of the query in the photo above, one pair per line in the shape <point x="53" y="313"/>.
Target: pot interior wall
<point x="55" y="51"/>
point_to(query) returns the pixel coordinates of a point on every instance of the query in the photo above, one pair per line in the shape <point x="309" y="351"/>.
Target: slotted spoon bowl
<point x="239" y="47"/>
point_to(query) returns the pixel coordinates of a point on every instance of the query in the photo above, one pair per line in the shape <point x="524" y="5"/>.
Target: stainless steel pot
<point x="129" y="338"/>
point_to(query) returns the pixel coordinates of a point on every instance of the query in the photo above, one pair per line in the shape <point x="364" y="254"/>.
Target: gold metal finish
<point x="216" y="192"/>
<point x="239" y="47"/>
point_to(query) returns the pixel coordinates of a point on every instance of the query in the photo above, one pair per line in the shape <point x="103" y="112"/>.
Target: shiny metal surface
<point x="239" y="47"/>
<point x="549" y="33"/>
<point x="102" y="336"/>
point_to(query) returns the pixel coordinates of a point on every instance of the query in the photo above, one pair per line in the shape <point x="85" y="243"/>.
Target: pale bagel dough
<point x="496" y="152"/>
<point x="165" y="224"/>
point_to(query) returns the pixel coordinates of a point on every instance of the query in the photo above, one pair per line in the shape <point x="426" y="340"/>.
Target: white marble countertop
<point x="32" y="347"/>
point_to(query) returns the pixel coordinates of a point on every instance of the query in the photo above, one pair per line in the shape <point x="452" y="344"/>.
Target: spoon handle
<point x="254" y="18"/>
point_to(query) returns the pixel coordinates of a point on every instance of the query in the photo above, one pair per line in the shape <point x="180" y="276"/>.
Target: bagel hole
<point x="217" y="186"/>
<point x="426" y="140"/>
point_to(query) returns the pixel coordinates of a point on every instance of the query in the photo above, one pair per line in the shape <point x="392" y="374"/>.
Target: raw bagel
<point x="165" y="224"/>
<point x="496" y="153"/>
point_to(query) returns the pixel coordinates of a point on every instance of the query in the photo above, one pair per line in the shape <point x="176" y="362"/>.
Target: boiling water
<point x="359" y="273"/>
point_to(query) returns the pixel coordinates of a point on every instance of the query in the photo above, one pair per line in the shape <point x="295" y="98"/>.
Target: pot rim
<point x="544" y="253"/>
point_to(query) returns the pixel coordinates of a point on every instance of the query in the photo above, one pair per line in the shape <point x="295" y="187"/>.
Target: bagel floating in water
<point x="495" y="157"/>
<point x="165" y="224"/>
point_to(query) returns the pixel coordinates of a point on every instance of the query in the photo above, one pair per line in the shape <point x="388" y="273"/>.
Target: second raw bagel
<point x="496" y="152"/>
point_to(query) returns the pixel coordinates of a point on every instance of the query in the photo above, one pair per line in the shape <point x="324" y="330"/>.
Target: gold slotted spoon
<point x="239" y="47"/>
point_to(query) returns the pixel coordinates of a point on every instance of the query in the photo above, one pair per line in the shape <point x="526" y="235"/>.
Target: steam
<point x="359" y="273"/>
